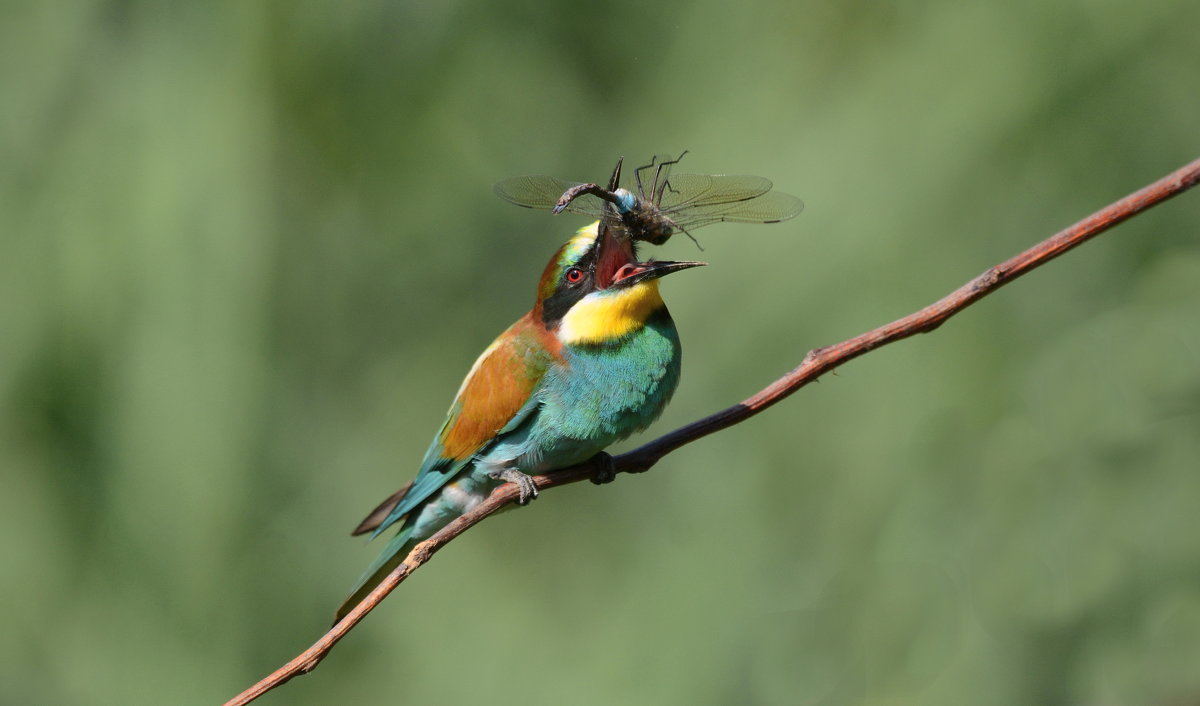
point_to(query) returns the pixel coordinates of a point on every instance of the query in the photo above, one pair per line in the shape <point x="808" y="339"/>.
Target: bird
<point x="595" y="360"/>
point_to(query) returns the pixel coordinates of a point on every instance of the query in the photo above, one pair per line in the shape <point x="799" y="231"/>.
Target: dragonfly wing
<point x="771" y="207"/>
<point x="542" y="192"/>
<point x="685" y="191"/>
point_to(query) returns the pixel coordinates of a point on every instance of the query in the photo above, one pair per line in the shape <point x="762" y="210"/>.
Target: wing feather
<point x="496" y="397"/>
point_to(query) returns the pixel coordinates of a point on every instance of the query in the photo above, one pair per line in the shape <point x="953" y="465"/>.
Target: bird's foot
<point x="606" y="468"/>
<point x="523" y="481"/>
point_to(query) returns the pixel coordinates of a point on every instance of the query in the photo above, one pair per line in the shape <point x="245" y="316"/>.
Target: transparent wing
<point x="685" y="191"/>
<point x="543" y="192"/>
<point x="771" y="207"/>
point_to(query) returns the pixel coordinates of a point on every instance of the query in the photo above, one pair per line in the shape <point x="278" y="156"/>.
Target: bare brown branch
<point x="815" y="364"/>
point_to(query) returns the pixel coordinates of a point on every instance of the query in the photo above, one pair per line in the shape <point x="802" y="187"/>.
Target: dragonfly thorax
<point x="646" y="223"/>
<point x="625" y="201"/>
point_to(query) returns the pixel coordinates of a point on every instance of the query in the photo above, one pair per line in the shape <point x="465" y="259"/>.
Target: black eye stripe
<point x="567" y="292"/>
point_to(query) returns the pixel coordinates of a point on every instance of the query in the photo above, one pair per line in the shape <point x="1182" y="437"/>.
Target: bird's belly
<point x="456" y="498"/>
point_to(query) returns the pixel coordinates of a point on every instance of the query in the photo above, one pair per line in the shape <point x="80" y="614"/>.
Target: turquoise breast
<point x="612" y="390"/>
<point x="603" y="393"/>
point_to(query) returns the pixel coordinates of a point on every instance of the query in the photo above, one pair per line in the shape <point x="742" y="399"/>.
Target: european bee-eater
<point x="594" y="361"/>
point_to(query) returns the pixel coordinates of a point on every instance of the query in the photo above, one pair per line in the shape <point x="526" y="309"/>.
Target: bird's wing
<point x="497" y="396"/>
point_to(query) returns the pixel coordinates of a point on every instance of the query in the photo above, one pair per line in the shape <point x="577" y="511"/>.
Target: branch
<point x="815" y="364"/>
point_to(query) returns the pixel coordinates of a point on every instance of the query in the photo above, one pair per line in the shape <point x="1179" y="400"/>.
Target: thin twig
<point x="816" y="363"/>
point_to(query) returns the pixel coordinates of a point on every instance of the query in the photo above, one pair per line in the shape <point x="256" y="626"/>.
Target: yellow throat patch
<point x="599" y="318"/>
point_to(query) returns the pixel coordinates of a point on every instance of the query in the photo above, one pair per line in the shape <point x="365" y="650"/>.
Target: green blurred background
<point x="249" y="250"/>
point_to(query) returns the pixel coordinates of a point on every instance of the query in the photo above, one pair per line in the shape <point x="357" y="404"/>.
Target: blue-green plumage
<point x="599" y="395"/>
<point x="608" y="391"/>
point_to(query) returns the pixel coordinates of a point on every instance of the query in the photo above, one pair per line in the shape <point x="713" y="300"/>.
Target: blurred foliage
<point x="247" y="251"/>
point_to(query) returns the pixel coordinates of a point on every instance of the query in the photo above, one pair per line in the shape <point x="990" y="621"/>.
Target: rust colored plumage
<point x="502" y="381"/>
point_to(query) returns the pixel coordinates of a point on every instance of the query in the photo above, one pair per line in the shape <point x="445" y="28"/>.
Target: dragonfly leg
<point x="637" y="174"/>
<point x="663" y="171"/>
<point x="688" y="234"/>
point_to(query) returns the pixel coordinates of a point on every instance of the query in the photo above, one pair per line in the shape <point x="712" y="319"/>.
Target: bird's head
<point x="594" y="290"/>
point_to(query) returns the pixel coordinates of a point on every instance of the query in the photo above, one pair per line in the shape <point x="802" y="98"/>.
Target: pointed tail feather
<point x="372" y="521"/>
<point x="392" y="555"/>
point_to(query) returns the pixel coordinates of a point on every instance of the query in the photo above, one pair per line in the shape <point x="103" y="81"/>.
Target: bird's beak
<point x="635" y="272"/>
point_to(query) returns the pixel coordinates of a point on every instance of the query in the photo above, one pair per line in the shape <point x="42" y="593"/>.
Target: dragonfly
<point x="663" y="203"/>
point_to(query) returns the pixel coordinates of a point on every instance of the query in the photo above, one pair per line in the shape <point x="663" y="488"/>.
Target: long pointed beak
<point x="636" y="272"/>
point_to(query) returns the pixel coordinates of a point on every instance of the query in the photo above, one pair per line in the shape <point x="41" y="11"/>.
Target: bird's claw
<point x="606" y="469"/>
<point x="526" y="488"/>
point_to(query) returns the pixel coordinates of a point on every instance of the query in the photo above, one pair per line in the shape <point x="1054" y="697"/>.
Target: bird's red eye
<point x="574" y="275"/>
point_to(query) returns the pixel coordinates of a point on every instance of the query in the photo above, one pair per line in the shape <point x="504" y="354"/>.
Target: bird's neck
<point x="602" y="317"/>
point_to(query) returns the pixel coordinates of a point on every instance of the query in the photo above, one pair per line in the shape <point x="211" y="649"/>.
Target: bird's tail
<point x="390" y="558"/>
